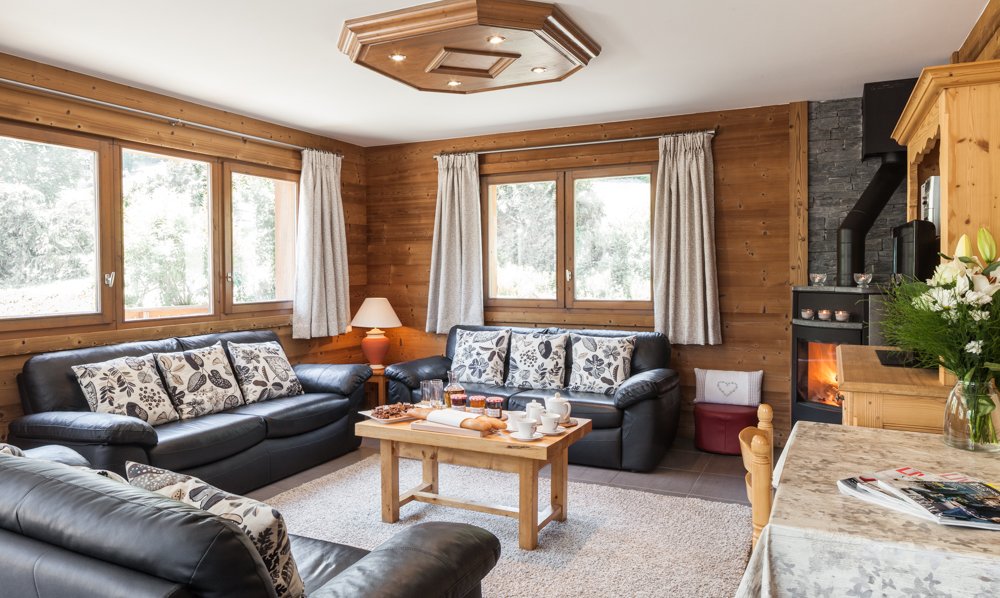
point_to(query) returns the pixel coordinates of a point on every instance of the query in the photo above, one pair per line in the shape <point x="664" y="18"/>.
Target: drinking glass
<point x="432" y="391"/>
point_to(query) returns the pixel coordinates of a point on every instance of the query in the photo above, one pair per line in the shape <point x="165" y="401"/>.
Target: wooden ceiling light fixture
<point x="468" y="46"/>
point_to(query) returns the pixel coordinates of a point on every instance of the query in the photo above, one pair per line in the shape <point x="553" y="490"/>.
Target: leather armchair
<point x="404" y="378"/>
<point x="76" y="536"/>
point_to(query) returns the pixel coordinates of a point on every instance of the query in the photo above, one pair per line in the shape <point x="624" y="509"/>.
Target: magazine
<point x="949" y="499"/>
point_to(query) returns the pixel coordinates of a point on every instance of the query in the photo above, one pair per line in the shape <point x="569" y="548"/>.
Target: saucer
<point x="559" y="430"/>
<point x="537" y="436"/>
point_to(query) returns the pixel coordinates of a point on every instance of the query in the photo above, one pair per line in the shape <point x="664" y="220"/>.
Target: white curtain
<point x="685" y="284"/>
<point x="456" y="285"/>
<point x="322" y="303"/>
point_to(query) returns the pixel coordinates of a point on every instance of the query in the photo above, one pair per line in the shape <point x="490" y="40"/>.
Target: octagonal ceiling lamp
<point x="469" y="46"/>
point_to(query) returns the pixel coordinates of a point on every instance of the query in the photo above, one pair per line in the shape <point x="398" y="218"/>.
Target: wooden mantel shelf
<point x="896" y="398"/>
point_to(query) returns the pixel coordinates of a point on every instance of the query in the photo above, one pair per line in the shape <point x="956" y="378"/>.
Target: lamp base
<point x="374" y="347"/>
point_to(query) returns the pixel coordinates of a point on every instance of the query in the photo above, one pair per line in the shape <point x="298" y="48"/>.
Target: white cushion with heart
<point x="728" y="387"/>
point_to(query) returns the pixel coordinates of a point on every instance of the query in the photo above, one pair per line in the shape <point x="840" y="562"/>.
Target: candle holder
<point x="842" y="315"/>
<point x="808" y="313"/>
<point x="824" y="314"/>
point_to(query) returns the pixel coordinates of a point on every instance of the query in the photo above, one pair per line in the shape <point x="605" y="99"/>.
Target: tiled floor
<point x="684" y="471"/>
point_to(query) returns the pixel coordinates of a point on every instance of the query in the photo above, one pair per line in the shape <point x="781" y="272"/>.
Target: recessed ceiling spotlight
<point x="538" y="70"/>
<point x="454" y="83"/>
<point x="496" y="39"/>
<point x="397" y="57"/>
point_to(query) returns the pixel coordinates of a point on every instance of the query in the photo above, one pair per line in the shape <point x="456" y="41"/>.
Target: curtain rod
<point x="168" y="119"/>
<point x="579" y="143"/>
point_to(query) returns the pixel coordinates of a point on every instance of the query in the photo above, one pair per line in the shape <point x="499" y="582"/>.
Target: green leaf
<point x="991" y="268"/>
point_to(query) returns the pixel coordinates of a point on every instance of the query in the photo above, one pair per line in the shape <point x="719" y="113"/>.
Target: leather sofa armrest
<point x="430" y="559"/>
<point x="646" y="385"/>
<point x="411" y="373"/>
<point x="85" y="427"/>
<point x="334" y="378"/>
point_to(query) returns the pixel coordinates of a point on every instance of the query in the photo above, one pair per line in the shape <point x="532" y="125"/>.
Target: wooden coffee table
<point x="492" y="452"/>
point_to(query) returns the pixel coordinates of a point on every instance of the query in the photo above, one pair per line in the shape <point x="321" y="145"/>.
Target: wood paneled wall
<point x="760" y="213"/>
<point x="22" y="105"/>
<point x="983" y="42"/>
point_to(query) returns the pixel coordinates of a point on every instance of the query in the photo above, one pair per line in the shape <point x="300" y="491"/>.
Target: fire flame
<point x="822" y="386"/>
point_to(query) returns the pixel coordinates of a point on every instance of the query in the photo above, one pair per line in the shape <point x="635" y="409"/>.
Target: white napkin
<point x="449" y="417"/>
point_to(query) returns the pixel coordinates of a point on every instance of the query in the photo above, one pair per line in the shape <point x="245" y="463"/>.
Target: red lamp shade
<point x="375" y="313"/>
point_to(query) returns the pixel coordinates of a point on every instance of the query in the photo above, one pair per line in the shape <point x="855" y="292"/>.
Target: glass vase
<point x="971" y="417"/>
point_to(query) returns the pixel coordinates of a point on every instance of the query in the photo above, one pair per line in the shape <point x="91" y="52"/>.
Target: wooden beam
<point x="798" y="192"/>
<point x="983" y="42"/>
<point x="67" y="81"/>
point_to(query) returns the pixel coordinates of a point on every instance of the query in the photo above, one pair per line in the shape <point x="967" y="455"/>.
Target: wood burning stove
<point x="815" y="394"/>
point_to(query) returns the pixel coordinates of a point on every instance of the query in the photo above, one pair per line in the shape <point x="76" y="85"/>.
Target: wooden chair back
<point x="757" y="449"/>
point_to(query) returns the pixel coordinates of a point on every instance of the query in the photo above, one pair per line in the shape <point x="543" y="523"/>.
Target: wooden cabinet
<point x="951" y="128"/>
<point x="894" y="398"/>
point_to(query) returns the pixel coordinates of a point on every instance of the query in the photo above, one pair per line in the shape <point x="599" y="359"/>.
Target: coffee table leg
<point x="389" y="454"/>
<point x="527" y="532"/>
<point x="560" y="484"/>
<point x="430" y="460"/>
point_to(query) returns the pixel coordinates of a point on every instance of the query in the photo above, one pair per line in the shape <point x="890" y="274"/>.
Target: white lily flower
<point x="962" y="285"/>
<point x="982" y="284"/>
<point x="974" y="347"/>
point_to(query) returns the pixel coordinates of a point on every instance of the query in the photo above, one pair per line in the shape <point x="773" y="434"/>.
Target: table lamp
<point x="375" y="313"/>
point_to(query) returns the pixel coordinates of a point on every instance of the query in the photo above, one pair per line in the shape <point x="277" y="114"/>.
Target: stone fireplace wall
<point x="837" y="176"/>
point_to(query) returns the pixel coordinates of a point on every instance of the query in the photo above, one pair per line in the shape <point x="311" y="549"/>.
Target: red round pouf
<point x="717" y="427"/>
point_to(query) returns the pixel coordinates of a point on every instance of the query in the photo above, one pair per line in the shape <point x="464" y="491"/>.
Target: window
<point x="522" y="230"/>
<point x="166" y="235"/>
<point x="572" y="239"/>
<point x="611" y="237"/>
<point x="261" y="259"/>
<point x="51" y="208"/>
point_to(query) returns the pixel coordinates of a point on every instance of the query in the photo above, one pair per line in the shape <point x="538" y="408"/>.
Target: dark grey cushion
<point x="297" y="414"/>
<point x="193" y="442"/>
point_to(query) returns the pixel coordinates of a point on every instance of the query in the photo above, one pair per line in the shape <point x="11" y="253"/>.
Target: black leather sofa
<point x="238" y="450"/>
<point x="70" y="533"/>
<point x="631" y="429"/>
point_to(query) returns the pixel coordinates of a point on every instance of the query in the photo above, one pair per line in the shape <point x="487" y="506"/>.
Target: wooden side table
<point x="377" y="381"/>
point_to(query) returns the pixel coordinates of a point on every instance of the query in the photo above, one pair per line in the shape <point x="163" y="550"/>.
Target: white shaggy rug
<point x="616" y="542"/>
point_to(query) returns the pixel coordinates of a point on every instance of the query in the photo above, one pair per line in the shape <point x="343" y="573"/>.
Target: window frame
<point x="105" y="232"/>
<point x="215" y="238"/>
<point x="570" y="239"/>
<point x="565" y="237"/>
<point x="489" y="230"/>
<point x="260" y="307"/>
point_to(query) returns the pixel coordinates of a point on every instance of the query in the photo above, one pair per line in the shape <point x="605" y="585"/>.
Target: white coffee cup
<point x="525" y="429"/>
<point x="550" y="422"/>
<point x="513" y="417"/>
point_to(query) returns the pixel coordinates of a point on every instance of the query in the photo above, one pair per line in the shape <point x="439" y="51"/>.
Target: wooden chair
<point x="757" y="448"/>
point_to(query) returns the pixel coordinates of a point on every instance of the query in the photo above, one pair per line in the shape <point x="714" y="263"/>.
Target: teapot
<point x="534" y="411"/>
<point x="559" y="406"/>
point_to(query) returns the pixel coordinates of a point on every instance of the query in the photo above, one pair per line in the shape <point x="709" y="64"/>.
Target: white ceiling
<point x="279" y="60"/>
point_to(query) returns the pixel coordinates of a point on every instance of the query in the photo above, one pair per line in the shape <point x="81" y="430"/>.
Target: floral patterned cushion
<point x="263" y="371"/>
<point x="480" y="355"/>
<point x="10" y="449"/>
<point x="126" y="386"/>
<point x="262" y="524"/>
<point x="537" y="361"/>
<point x="200" y="381"/>
<point x="600" y="364"/>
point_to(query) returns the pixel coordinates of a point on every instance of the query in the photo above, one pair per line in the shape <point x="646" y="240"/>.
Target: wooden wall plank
<point x="755" y="234"/>
<point x="798" y="192"/>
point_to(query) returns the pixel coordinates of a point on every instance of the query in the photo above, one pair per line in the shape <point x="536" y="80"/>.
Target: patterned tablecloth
<point x="823" y="543"/>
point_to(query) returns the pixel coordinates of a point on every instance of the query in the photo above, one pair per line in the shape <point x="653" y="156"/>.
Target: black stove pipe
<point x="853" y="230"/>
